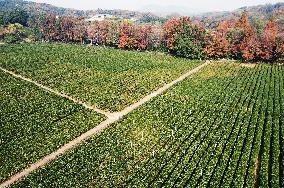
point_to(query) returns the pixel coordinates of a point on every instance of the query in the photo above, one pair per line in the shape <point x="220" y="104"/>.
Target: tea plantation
<point x="108" y="78"/>
<point x="221" y="127"/>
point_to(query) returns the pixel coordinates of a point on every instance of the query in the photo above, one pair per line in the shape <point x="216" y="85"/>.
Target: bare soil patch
<point x="248" y="65"/>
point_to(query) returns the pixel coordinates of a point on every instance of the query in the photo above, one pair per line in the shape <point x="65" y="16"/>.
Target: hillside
<point x="6" y="5"/>
<point x="260" y="12"/>
<point x="256" y="13"/>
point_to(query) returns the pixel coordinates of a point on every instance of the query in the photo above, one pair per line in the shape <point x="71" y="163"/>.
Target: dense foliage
<point x="213" y="130"/>
<point x="243" y="38"/>
<point x="237" y="39"/>
<point x="183" y="38"/>
<point x="13" y="33"/>
<point x="109" y="78"/>
<point x="12" y="26"/>
<point x="16" y="16"/>
<point x="34" y="123"/>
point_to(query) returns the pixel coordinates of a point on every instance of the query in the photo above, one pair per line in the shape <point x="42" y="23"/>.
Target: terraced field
<point x="107" y="78"/>
<point x="222" y="127"/>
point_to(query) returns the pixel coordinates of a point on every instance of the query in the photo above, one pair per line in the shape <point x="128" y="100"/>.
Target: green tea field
<point x="172" y="122"/>
<point x="110" y="79"/>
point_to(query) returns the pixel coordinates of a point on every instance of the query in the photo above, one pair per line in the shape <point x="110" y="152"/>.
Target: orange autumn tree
<point x="280" y="45"/>
<point x="67" y="24"/>
<point x="267" y="42"/>
<point x="126" y="35"/>
<point x="104" y="33"/>
<point x="217" y="45"/>
<point x="242" y="39"/>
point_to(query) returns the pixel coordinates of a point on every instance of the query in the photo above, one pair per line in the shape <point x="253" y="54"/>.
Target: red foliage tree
<point x="79" y="30"/>
<point x="225" y="26"/>
<point x="104" y="32"/>
<point x="169" y="33"/>
<point x="242" y="39"/>
<point x="67" y="24"/>
<point x="51" y="32"/>
<point x="280" y="45"/>
<point x="98" y="32"/>
<point x="267" y="42"/>
<point x="126" y="35"/>
<point x="217" y="46"/>
<point x="142" y="36"/>
<point x="173" y="28"/>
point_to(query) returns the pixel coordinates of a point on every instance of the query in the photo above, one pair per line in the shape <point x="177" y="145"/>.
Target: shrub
<point x="14" y="33"/>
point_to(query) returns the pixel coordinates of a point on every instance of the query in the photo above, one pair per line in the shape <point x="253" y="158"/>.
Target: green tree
<point x="183" y="38"/>
<point x="16" y="16"/>
<point x="14" y="33"/>
<point x="258" y="24"/>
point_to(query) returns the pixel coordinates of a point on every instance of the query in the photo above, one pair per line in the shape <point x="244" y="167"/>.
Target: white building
<point x="100" y="17"/>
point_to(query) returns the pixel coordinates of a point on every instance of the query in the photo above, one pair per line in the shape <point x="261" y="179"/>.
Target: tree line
<point x="236" y="39"/>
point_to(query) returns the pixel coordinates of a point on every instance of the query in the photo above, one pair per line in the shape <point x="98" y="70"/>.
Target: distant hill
<point x="6" y="5"/>
<point x="260" y="12"/>
<point x="168" y="10"/>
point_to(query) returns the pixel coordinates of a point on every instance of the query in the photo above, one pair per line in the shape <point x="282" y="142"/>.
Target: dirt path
<point x="111" y="119"/>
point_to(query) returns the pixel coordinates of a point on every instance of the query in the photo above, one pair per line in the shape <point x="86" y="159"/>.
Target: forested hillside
<point x="9" y="5"/>
<point x="257" y="14"/>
